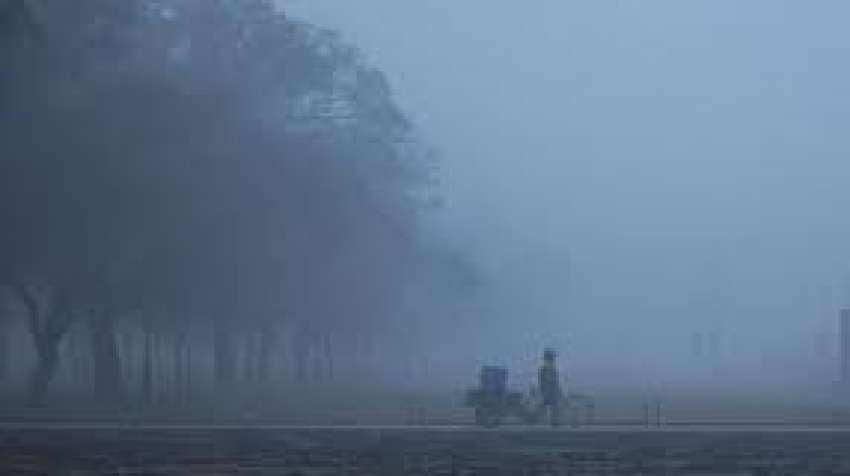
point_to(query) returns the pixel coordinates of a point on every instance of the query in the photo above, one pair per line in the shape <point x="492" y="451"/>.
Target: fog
<point x="278" y="207"/>
<point x="631" y="173"/>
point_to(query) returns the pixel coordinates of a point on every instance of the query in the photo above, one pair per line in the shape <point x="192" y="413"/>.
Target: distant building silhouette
<point x="696" y="345"/>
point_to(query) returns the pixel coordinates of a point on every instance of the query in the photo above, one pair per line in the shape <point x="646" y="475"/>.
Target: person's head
<point x="549" y="355"/>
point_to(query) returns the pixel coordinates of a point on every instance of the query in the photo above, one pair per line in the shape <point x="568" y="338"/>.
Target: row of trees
<point x="202" y="164"/>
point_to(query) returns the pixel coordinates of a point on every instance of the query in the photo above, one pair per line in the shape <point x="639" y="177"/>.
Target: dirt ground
<point x="421" y="451"/>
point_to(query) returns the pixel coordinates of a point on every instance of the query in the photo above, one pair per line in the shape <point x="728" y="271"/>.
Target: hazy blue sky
<point x="688" y="160"/>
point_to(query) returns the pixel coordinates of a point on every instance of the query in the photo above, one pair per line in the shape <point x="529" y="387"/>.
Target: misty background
<point x="273" y="206"/>
<point x="632" y="173"/>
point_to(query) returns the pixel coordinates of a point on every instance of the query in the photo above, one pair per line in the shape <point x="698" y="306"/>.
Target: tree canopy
<point x="209" y="156"/>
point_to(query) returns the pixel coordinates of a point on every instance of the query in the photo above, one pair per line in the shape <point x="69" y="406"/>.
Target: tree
<point x="208" y="161"/>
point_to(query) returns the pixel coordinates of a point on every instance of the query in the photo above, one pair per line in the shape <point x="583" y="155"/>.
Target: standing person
<point x="550" y="387"/>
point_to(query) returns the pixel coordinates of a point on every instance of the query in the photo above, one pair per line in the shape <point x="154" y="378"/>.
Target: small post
<point x="658" y="412"/>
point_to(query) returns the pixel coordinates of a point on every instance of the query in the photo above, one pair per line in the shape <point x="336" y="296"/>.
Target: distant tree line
<point x="184" y="181"/>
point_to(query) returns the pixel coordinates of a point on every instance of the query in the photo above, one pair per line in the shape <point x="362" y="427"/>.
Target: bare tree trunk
<point x="179" y="367"/>
<point x="48" y="324"/>
<point x="127" y="354"/>
<point x="223" y="355"/>
<point x="43" y="373"/>
<point x="161" y="382"/>
<point x="189" y="380"/>
<point x="147" y="366"/>
<point x="76" y="360"/>
<point x="108" y="386"/>
<point x="268" y="341"/>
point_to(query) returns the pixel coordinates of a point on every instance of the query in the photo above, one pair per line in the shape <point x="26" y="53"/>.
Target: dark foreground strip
<point x="419" y="451"/>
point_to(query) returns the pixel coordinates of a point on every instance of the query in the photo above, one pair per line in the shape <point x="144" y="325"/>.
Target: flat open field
<point x="421" y="451"/>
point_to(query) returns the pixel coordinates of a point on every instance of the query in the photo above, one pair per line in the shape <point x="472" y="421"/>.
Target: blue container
<point x="494" y="380"/>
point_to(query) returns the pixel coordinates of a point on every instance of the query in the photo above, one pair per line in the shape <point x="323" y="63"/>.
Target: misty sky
<point x="631" y="171"/>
